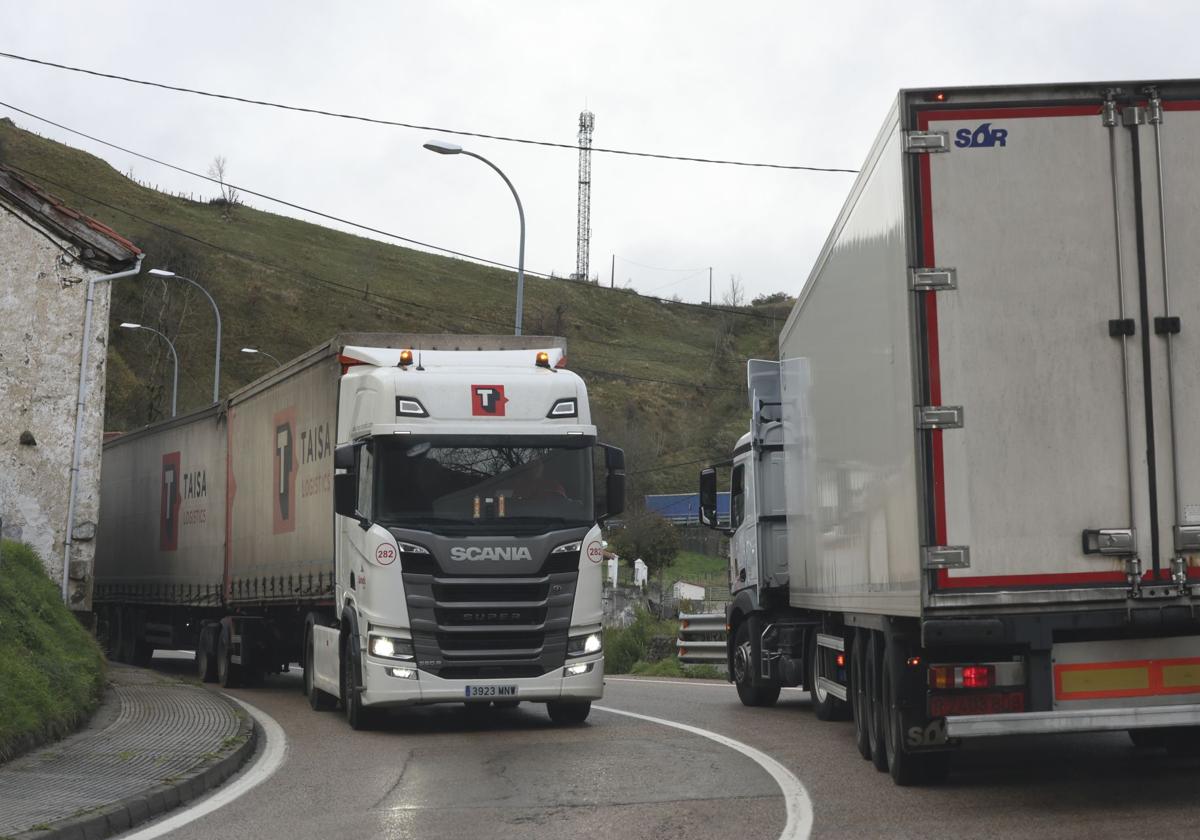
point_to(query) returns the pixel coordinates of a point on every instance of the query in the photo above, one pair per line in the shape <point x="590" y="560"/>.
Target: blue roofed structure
<point x="684" y="508"/>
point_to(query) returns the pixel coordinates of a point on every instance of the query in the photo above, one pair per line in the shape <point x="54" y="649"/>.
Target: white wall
<point x="42" y="295"/>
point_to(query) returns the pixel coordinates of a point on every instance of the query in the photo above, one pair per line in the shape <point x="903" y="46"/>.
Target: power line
<point x="349" y="223"/>
<point x="264" y="196"/>
<point x="656" y="268"/>
<point x="398" y="124"/>
<point x="341" y="288"/>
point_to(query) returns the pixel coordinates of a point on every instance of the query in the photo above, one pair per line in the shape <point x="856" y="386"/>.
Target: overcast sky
<point x="782" y="82"/>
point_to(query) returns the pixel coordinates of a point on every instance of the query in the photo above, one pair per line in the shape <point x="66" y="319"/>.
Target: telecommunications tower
<point x="587" y="120"/>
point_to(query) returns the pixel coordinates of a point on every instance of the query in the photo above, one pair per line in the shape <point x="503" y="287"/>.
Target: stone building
<point x="51" y="258"/>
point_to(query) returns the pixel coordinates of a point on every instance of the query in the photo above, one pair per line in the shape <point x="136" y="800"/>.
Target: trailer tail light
<point x="840" y="659"/>
<point x="978" y="676"/>
<point x="943" y="677"/>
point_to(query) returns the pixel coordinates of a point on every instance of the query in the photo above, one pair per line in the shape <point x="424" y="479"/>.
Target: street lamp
<point x="255" y="351"/>
<point x="175" y="382"/>
<point x="158" y="272"/>
<point x="443" y="148"/>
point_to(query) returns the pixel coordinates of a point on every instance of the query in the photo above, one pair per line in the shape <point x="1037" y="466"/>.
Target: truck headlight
<point x="583" y="645"/>
<point x="389" y="647"/>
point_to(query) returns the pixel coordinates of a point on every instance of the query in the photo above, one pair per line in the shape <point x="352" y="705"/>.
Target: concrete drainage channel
<point x="159" y="744"/>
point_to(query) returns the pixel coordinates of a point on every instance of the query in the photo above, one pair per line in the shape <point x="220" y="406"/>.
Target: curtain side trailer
<point x="970" y="494"/>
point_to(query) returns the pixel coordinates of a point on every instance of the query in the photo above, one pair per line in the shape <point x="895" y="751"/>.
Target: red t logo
<point x="487" y="400"/>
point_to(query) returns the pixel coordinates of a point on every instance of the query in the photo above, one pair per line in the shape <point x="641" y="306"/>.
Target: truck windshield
<point x="501" y="486"/>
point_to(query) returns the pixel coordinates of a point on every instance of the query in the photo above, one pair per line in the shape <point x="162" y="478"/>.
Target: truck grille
<point x="467" y="627"/>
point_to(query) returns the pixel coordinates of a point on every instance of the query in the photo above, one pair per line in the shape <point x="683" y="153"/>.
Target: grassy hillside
<point x="285" y="285"/>
<point x="51" y="670"/>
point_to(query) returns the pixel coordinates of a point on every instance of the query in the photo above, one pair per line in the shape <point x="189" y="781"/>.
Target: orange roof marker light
<point x="406" y="358"/>
<point x="543" y="359"/>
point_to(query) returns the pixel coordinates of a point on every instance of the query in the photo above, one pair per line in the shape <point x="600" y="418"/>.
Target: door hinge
<point x="924" y="142"/>
<point x="1187" y="538"/>
<point x="945" y="557"/>
<point x="932" y="279"/>
<point x="1167" y="325"/>
<point x="1118" y="327"/>
<point x="939" y="416"/>
<point x="1133" y="115"/>
<point x="1121" y="542"/>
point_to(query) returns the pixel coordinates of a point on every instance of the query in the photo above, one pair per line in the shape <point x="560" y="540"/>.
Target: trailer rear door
<point x="1061" y="466"/>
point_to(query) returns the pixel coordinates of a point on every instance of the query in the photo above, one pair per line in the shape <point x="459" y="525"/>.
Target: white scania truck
<point x="969" y="502"/>
<point x="410" y="517"/>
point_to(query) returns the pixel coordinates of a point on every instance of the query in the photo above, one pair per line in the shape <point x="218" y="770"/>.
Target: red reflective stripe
<point x="1154" y="688"/>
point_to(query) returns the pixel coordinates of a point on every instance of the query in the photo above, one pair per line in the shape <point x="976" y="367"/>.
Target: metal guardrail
<point x="701" y="639"/>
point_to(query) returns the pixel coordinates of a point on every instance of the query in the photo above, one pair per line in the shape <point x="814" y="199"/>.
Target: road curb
<point x="133" y="810"/>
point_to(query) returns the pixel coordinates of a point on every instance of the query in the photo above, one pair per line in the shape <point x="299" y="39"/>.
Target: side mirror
<point x="708" y="497"/>
<point x="345" y="493"/>
<point x="614" y="482"/>
<point x="343" y="456"/>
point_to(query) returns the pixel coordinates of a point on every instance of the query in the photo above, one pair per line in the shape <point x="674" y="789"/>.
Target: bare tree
<point x="735" y="295"/>
<point x="229" y="196"/>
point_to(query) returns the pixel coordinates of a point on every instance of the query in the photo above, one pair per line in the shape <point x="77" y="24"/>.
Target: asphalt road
<point x="440" y="772"/>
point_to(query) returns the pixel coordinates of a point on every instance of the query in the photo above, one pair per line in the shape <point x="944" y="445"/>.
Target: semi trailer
<point x="412" y="518"/>
<point x="969" y="501"/>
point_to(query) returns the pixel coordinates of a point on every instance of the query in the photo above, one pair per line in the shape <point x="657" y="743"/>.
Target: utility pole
<point x="612" y="273"/>
<point x="710" y="285"/>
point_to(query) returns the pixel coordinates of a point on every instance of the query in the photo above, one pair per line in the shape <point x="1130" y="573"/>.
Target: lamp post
<point x="443" y="148"/>
<point x="175" y="381"/>
<point x="254" y="351"/>
<point x="158" y="272"/>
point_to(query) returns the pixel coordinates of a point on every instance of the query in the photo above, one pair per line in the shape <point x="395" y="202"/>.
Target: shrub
<point x="51" y="669"/>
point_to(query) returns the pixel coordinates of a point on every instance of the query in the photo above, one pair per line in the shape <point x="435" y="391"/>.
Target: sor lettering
<point x="984" y="137"/>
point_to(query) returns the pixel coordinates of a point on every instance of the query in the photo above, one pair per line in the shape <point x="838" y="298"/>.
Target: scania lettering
<point x="968" y="504"/>
<point x="461" y="553"/>
<point x="403" y="515"/>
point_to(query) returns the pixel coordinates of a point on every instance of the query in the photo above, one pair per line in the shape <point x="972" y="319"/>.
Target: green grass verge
<point x="51" y="670"/>
<point x="672" y="668"/>
<point x="626" y="646"/>
<point x="700" y="568"/>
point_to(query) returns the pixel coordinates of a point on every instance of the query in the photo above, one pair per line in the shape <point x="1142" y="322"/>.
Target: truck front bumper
<point x="383" y="690"/>
<point x="1076" y="720"/>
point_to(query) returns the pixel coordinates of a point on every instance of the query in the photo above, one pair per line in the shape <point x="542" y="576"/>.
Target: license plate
<point x="490" y="692"/>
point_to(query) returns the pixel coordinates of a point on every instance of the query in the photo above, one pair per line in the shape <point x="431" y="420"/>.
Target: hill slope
<point x="667" y="380"/>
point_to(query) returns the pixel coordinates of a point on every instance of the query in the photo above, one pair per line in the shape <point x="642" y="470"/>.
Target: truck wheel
<point x="906" y="768"/>
<point x="228" y="673"/>
<point x="319" y="700"/>
<point x="206" y="662"/>
<point x="743" y="670"/>
<point x="357" y="715"/>
<point x="567" y="713"/>
<point x="859" y="706"/>
<point x="875" y="706"/>
<point x="824" y="704"/>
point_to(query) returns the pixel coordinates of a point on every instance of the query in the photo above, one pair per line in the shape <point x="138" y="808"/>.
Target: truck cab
<point x="467" y="538"/>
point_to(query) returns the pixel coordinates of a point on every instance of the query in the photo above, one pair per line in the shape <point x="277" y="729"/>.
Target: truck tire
<point x="906" y="768"/>
<point x="206" y="660"/>
<point x="743" y="663"/>
<point x="567" y="713"/>
<point x="357" y="715"/>
<point x="318" y="700"/>
<point x="228" y="672"/>
<point x="875" y="705"/>
<point x="825" y="706"/>
<point x="858" y="691"/>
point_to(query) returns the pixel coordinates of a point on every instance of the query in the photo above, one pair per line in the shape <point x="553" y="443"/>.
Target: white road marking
<point x="687" y="682"/>
<point x="795" y="797"/>
<point x="271" y="760"/>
